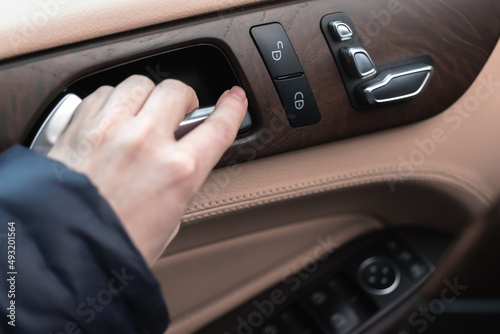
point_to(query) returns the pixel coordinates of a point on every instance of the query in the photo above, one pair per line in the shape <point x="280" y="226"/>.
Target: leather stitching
<point x="378" y="175"/>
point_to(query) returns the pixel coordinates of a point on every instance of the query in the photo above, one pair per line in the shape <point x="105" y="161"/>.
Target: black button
<point x="298" y="100"/>
<point x="417" y="270"/>
<point x="276" y="50"/>
<point x="271" y="329"/>
<point x="363" y="63"/>
<point x="318" y="298"/>
<point x="392" y="245"/>
<point x="343" y="319"/>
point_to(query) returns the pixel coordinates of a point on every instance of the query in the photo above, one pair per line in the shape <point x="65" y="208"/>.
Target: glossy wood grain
<point x="458" y="34"/>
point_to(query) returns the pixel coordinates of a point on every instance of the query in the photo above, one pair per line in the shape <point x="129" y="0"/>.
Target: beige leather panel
<point x="459" y="149"/>
<point x="202" y="284"/>
<point x="33" y="25"/>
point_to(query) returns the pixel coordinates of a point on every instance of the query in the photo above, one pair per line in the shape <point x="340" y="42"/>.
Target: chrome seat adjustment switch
<point x="396" y="85"/>
<point x="340" y="30"/>
<point x="369" y="86"/>
<point x="358" y="62"/>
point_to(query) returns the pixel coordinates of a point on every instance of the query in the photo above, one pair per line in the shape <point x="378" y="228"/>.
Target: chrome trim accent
<point x="197" y="117"/>
<point x="369" y="90"/>
<point x="386" y="261"/>
<point x="60" y="117"/>
<point x="352" y="62"/>
<point x="334" y="28"/>
<point x="56" y="123"/>
<point x="192" y="120"/>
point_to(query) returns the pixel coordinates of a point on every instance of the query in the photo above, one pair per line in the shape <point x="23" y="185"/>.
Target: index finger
<point x="212" y="138"/>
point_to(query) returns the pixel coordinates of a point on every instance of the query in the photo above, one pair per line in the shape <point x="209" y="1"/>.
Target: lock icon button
<point x="299" y="101"/>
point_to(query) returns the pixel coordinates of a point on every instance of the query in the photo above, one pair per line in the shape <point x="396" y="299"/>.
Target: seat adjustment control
<point x="358" y="62"/>
<point x="396" y="85"/>
<point x="369" y="86"/>
<point x="340" y="30"/>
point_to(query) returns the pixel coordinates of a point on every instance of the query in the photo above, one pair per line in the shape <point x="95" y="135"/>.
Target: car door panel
<point x="280" y="191"/>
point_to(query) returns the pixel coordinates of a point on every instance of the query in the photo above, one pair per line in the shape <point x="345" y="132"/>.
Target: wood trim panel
<point x="458" y="34"/>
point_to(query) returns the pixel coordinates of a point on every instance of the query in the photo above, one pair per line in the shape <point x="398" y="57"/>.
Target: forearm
<point x="76" y="266"/>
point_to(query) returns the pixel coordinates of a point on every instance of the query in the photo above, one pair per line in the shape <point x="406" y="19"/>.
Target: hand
<point x="123" y="139"/>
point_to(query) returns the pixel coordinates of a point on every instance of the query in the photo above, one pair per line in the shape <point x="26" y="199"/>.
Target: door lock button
<point x="276" y="50"/>
<point x="298" y="101"/>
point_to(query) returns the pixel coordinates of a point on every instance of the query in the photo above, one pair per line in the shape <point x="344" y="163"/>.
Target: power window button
<point x="343" y="320"/>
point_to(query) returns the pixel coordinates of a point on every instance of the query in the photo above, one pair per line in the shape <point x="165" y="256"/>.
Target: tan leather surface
<point x="461" y="152"/>
<point x="33" y="25"/>
<point x="208" y="259"/>
<point x="202" y="284"/>
<point x="238" y="239"/>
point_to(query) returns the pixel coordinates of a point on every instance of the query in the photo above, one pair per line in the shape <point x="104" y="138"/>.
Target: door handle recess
<point x="60" y="117"/>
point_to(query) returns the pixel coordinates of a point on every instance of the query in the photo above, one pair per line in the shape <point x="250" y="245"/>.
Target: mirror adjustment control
<point x="358" y="62"/>
<point x="276" y="50"/>
<point x="379" y="275"/>
<point x="298" y="100"/>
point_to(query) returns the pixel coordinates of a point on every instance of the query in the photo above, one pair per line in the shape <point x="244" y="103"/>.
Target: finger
<point x="211" y="139"/>
<point x="168" y="104"/>
<point x="127" y="98"/>
<point x="92" y="104"/>
<point x="86" y="111"/>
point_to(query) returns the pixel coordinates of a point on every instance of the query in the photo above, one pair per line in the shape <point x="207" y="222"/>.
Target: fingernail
<point x="239" y="93"/>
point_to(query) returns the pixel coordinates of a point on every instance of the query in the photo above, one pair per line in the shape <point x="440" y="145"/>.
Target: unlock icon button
<point x="276" y="50"/>
<point x="277" y="54"/>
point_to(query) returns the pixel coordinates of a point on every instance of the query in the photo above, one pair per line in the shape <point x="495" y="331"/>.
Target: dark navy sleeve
<point x="74" y="268"/>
